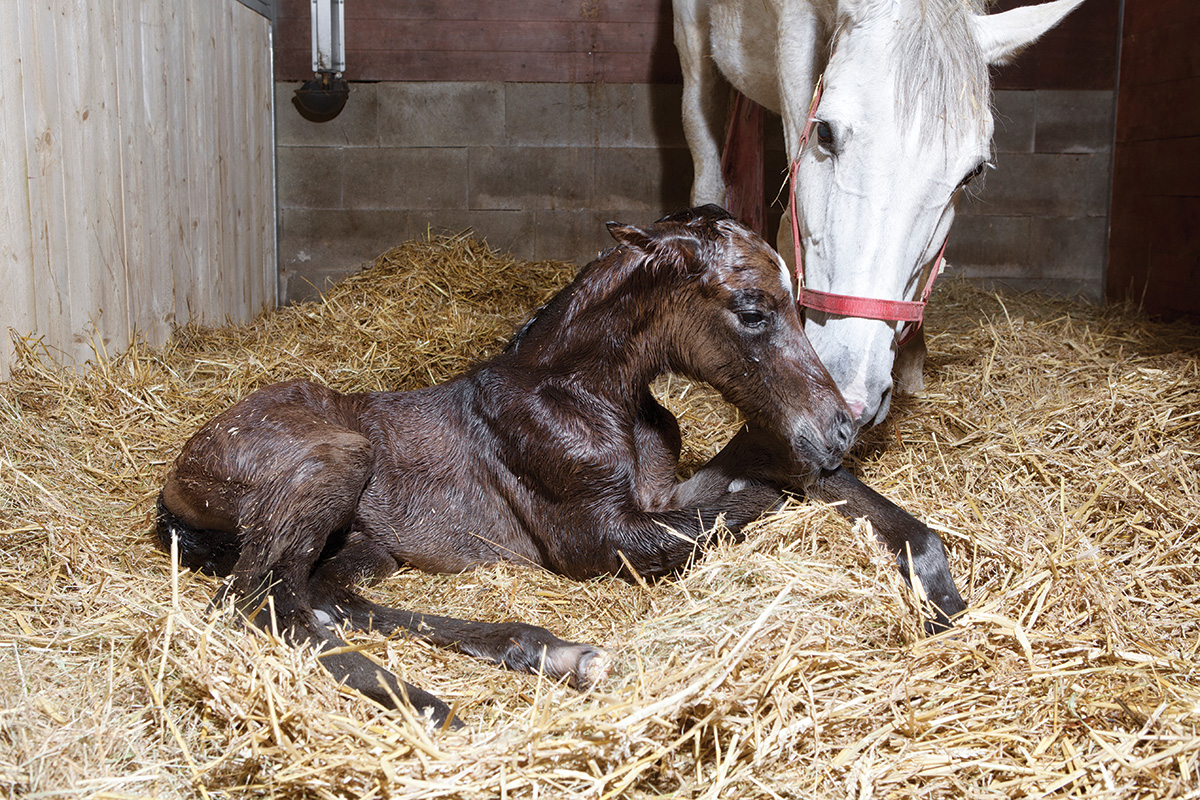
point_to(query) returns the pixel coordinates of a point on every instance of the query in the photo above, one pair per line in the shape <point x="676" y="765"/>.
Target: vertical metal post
<point x="329" y="36"/>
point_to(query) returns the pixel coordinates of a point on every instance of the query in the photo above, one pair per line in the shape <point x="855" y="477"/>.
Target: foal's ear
<point x="666" y="247"/>
<point x="629" y="235"/>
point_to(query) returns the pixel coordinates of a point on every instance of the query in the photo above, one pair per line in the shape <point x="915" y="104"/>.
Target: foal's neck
<point x="609" y="345"/>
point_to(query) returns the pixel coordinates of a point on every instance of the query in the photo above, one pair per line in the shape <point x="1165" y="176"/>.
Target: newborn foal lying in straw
<point x="553" y="453"/>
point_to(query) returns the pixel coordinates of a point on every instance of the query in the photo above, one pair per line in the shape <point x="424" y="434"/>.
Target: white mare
<point x="903" y="125"/>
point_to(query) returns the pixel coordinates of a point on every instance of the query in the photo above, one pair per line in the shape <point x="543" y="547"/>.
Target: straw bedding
<point x="1054" y="449"/>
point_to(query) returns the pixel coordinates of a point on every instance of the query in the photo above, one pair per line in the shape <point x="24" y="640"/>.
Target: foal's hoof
<point x="581" y="664"/>
<point x="593" y="667"/>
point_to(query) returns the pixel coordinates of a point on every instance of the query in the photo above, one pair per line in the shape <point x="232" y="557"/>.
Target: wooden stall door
<point x="1154" y="244"/>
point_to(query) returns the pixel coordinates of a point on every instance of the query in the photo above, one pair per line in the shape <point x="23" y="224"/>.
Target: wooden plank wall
<point x="607" y="41"/>
<point x="1154" y="248"/>
<point x="137" y="184"/>
<point x="1079" y="53"/>
<point x="538" y="41"/>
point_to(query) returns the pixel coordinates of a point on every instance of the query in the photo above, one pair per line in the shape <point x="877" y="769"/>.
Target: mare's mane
<point x="940" y="71"/>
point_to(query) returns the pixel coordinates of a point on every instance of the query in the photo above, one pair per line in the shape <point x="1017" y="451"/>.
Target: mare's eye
<point x="973" y="174"/>
<point x="824" y="134"/>
<point x="752" y="319"/>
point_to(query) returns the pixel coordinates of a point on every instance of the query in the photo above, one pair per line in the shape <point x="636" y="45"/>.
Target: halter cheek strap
<point x="908" y="311"/>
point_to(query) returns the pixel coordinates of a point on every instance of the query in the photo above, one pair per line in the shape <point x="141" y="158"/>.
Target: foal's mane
<point x="623" y="276"/>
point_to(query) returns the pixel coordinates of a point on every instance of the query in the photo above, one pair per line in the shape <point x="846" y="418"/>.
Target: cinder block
<point x="508" y="231"/>
<point x="1068" y="249"/>
<point x="309" y="177"/>
<point x="567" y="114"/>
<point x="453" y="114"/>
<point x="1050" y="287"/>
<point x="403" y="177"/>
<point x="530" y="178"/>
<point x="318" y="247"/>
<point x="357" y="125"/>
<point x="643" y="179"/>
<point x="1074" y="122"/>
<point x="1060" y="256"/>
<point x="988" y="243"/>
<point x="1058" y="185"/>
<point x="1014" y="113"/>
<point x="657" y="115"/>
<point x="577" y="236"/>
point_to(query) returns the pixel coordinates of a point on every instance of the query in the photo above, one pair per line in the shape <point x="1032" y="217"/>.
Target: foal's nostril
<point x="842" y="435"/>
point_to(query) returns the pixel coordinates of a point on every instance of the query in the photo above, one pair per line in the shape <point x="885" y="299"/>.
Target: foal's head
<point x="721" y="309"/>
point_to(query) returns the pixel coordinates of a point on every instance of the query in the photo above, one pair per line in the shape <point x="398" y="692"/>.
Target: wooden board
<point x="548" y="41"/>
<point x="615" y="41"/>
<point x="138" y="192"/>
<point x="1154" y="245"/>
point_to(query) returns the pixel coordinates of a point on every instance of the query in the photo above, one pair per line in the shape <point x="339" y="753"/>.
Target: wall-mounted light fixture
<point x="323" y="98"/>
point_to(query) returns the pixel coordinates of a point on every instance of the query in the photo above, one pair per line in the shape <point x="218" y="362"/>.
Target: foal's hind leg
<point x="302" y="521"/>
<point x="515" y="645"/>
<point x="308" y="493"/>
<point x="287" y="523"/>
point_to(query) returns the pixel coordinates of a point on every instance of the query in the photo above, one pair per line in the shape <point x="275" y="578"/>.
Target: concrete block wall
<point x="1039" y="221"/>
<point x="536" y="169"/>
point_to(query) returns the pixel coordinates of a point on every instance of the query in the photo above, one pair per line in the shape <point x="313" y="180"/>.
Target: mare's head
<point x="903" y="128"/>
<point x="716" y="304"/>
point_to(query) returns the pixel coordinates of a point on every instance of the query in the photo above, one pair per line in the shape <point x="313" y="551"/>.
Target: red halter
<point x="909" y="311"/>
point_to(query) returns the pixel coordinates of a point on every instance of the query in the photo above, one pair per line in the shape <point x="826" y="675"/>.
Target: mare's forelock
<point x="939" y="69"/>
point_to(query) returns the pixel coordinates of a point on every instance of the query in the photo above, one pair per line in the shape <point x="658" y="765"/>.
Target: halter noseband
<point x="911" y="312"/>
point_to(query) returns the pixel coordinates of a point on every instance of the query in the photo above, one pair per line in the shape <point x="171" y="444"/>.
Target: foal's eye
<point x="752" y="319"/>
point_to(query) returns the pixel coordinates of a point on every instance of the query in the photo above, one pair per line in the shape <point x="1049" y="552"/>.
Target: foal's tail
<point x="210" y="552"/>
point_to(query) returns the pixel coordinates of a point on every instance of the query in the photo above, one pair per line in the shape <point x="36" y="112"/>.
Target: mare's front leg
<point x="909" y="370"/>
<point x="705" y="97"/>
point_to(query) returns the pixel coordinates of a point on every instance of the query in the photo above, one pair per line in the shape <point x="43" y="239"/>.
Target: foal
<point x="554" y="453"/>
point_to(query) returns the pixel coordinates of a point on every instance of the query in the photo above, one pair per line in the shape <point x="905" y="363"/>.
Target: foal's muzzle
<point x="824" y="449"/>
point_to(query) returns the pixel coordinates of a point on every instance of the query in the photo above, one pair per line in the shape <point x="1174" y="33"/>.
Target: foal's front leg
<point x="918" y="550"/>
<point x="756" y="456"/>
<point x="657" y="543"/>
